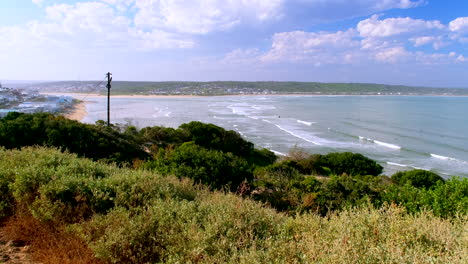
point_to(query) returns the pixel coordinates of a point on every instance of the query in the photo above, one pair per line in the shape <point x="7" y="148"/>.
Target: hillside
<point x="128" y="216"/>
<point x="202" y="194"/>
<point x="236" y="88"/>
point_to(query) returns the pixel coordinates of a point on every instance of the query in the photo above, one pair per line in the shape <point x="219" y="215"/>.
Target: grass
<point x="79" y="209"/>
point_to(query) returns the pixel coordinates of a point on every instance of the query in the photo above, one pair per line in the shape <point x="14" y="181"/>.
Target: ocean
<point x="400" y="132"/>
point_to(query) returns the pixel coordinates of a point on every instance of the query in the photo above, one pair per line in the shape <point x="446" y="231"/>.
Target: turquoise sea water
<point x="400" y="132"/>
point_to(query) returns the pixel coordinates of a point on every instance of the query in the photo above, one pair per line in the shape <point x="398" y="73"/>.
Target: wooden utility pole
<point x="109" y="80"/>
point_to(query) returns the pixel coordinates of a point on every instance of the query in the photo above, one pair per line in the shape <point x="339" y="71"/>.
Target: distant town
<point x="31" y="101"/>
<point x="238" y="88"/>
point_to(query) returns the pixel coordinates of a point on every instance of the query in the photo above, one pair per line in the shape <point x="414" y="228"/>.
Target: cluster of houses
<point x="15" y="100"/>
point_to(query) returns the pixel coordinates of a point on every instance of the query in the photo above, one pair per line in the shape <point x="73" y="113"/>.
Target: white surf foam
<point x="298" y="136"/>
<point x="396" y="164"/>
<point x="447" y="158"/>
<point x="305" y="122"/>
<point x="267" y="121"/>
<point x="381" y="143"/>
<point x="388" y="145"/>
<point x="263" y="107"/>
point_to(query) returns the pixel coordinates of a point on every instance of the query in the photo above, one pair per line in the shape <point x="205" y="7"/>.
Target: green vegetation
<point x="231" y="88"/>
<point x="136" y="216"/>
<point x="417" y="178"/>
<point x="201" y="194"/>
<point x="96" y="142"/>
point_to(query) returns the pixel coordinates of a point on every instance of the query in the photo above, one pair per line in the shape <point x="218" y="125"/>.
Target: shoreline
<point x="78" y="112"/>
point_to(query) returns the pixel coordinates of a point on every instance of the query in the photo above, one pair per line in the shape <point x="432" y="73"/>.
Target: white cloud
<point x="436" y="41"/>
<point x="89" y="26"/>
<point x="461" y="58"/>
<point x="299" y="46"/>
<point x="37" y="2"/>
<point x="374" y="40"/>
<point x="392" y="55"/>
<point x="241" y="56"/>
<point x="421" y="41"/>
<point x="459" y="25"/>
<point x="204" y="16"/>
<point x="374" y="27"/>
<point x="459" y="29"/>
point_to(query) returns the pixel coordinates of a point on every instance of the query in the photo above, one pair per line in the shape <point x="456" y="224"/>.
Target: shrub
<point x="217" y="138"/>
<point x="445" y="199"/>
<point x="417" y="178"/>
<point x="349" y="163"/>
<point x="210" y="167"/>
<point x="97" y="142"/>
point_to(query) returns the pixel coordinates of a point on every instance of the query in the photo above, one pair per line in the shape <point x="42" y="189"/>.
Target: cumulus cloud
<point x="461" y="58"/>
<point x="391" y="55"/>
<point x="373" y="40"/>
<point x="204" y="16"/>
<point x="459" y="25"/>
<point x="300" y="46"/>
<point x="90" y="25"/>
<point x="436" y="41"/>
<point x="459" y="29"/>
<point x="374" y="27"/>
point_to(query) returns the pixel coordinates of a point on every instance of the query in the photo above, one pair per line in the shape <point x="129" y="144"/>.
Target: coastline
<point x="78" y="112"/>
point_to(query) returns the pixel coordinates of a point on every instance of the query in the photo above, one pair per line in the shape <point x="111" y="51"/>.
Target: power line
<point x="92" y="90"/>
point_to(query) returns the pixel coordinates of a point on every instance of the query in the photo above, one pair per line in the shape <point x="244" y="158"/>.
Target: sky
<point x="409" y="42"/>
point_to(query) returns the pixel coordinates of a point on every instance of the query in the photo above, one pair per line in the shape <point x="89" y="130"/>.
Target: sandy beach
<point x="78" y="112"/>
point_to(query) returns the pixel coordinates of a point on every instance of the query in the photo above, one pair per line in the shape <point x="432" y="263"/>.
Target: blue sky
<point x="412" y="42"/>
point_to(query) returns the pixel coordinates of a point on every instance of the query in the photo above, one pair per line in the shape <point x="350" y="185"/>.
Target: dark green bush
<point x="208" y="136"/>
<point x="211" y="167"/>
<point x="96" y="142"/>
<point x="214" y="137"/>
<point x="417" y="178"/>
<point x="217" y="138"/>
<point x="348" y="163"/>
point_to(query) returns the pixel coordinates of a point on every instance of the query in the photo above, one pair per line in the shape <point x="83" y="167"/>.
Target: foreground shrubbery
<point x="96" y="142"/>
<point x="128" y="216"/>
<point x="222" y="159"/>
<point x="204" y="152"/>
<point x="165" y="209"/>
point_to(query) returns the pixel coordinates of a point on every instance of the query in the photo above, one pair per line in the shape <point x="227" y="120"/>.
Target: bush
<point x="340" y="191"/>
<point x="348" y="163"/>
<point x="97" y="142"/>
<point x="445" y="199"/>
<point x="210" y="167"/>
<point x="417" y="178"/>
<point x="217" y="138"/>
